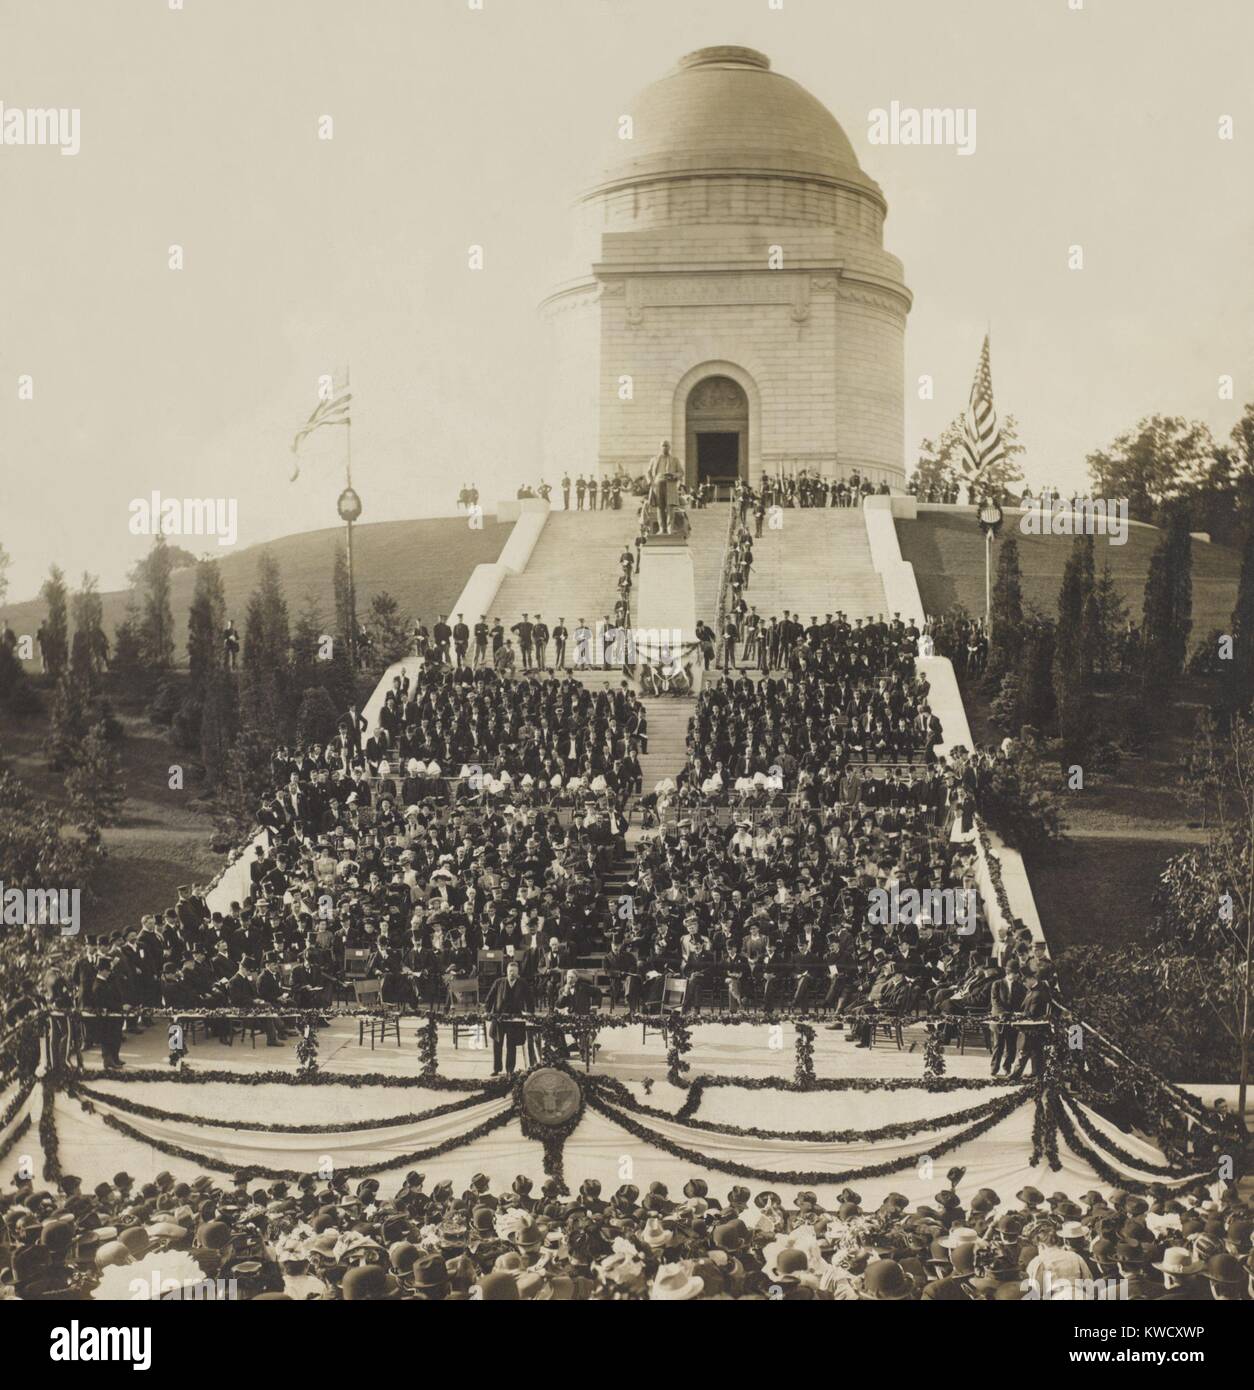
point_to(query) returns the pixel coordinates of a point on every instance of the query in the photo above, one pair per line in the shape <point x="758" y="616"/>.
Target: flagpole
<point x="349" y="508"/>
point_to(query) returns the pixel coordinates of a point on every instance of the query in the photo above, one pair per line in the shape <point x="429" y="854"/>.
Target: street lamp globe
<point x="348" y="505"/>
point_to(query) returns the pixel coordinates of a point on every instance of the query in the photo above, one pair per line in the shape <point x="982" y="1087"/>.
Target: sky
<point x="457" y="125"/>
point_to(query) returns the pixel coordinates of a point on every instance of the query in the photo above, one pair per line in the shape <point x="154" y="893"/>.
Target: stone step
<point x="573" y="571"/>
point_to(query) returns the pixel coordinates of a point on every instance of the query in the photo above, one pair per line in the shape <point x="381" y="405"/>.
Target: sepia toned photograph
<point x="627" y="664"/>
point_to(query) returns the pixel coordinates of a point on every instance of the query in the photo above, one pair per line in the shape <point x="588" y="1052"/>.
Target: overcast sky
<point x="455" y="126"/>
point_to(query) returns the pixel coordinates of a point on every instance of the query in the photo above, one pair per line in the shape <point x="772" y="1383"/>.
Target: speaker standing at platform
<point x="509" y="995"/>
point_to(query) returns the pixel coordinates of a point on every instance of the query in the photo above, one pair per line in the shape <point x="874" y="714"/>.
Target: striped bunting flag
<point x="981" y="434"/>
<point x="334" y="411"/>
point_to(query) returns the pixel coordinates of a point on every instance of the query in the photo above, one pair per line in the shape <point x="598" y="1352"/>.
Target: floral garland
<point x="552" y="1138"/>
<point x="429" y="1047"/>
<point x="993" y="864"/>
<point x="354" y="1081"/>
<point x="1044" y="1128"/>
<point x="803" y="1073"/>
<point x="934" y="1066"/>
<point x="307" y="1047"/>
<point x="1099" y="1165"/>
<point x="19" y="1132"/>
<point x="679" y="1040"/>
<point x="1104" y="1141"/>
<point x="151" y="1112"/>
<point x="20" y="1098"/>
<point x="360" y="1170"/>
<point x="807" y="1179"/>
<point x="48" y="1130"/>
<point x="615" y="1091"/>
<point x="704" y="1082"/>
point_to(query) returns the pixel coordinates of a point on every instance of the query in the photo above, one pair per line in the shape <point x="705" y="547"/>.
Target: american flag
<point x="981" y="434"/>
<point x="334" y="410"/>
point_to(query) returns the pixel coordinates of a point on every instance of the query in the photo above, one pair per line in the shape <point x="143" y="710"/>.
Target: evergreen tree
<point x="69" y="723"/>
<point x="219" y="724"/>
<point x="94" y="784"/>
<point x="245" y="780"/>
<point x="1073" y="655"/>
<point x="308" y="666"/>
<point x="390" y="639"/>
<point x="266" y="652"/>
<point x="1007" y="608"/>
<point x="1239" y="672"/>
<point x="206" y="621"/>
<point x="89" y="651"/>
<point x="317" y="718"/>
<point x="156" y="629"/>
<point x="1181" y="583"/>
<point x="343" y="593"/>
<point x="1110" y="620"/>
<point x="1036" y="690"/>
<point x="1167" y="612"/>
<point x="56" y="623"/>
<point x="17" y="695"/>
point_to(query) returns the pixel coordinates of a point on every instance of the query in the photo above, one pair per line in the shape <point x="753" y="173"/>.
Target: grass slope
<point x="422" y="564"/>
<point x="946" y="549"/>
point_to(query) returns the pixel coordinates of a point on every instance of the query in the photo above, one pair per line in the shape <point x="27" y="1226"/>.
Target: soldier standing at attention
<point x="461" y="639"/>
<point x="540" y="641"/>
<point x="559" y="644"/>
<point x="522" y="630"/>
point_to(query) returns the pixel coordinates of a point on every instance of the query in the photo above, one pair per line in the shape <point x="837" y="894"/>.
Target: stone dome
<point x="723" y="111"/>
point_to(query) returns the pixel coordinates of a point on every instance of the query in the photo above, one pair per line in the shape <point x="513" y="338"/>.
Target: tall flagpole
<point x="349" y="508"/>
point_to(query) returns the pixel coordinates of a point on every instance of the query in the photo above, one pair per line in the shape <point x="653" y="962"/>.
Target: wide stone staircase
<point x="668" y="728"/>
<point x="707" y="543"/>
<point x="817" y="562"/>
<point x="572" y="573"/>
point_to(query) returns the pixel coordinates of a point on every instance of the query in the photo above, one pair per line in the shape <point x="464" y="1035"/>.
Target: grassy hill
<point x="422" y="564"/>
<point x="946" y="549"/>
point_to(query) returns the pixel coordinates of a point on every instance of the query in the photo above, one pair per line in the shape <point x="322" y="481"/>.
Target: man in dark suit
<point x="510" y="994"/>
<point x="442" y="635"/>
<point x="241" y="993"/>
<point x="1006" y="1000"/>
<point x="540" y="641"/>
<point x="461" y="639"/>
<point x="523" y="631"/>
<point x="106" y="998"/>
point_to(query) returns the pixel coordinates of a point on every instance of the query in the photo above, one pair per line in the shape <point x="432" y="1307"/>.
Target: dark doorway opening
<point x="718" y="456"/>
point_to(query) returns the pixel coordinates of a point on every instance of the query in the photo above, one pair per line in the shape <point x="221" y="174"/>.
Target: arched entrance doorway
<point x="717" y="432"/>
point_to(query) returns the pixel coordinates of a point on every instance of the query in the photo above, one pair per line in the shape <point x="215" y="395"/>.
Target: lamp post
<point x="990" y="518"/>
<point x="349" y="507"/>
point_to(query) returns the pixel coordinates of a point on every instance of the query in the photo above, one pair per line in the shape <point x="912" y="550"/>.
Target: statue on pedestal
<point x="664" y="474"/>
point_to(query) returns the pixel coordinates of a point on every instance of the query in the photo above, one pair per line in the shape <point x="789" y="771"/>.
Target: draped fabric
<point x="244" y="1148"/>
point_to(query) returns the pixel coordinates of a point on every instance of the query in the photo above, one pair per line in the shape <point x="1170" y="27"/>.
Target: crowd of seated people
<point x="543" y="728"/>
<point x="851" y="694"/>
<point x="241" y="1237"/>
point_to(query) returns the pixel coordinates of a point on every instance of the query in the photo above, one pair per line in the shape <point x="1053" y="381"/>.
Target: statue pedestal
<point x="666" y="601"/>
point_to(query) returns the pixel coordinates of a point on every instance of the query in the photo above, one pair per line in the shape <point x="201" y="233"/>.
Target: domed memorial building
<point x="730" y="290"/>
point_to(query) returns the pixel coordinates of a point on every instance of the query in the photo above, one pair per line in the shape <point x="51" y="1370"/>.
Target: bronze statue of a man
<point x="664" y="474"/>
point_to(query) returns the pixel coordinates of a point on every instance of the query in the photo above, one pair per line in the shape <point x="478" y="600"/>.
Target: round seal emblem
<point x="550" y="1097"/>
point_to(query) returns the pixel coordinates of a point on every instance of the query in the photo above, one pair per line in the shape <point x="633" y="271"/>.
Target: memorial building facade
<point x="729" y="291"/>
